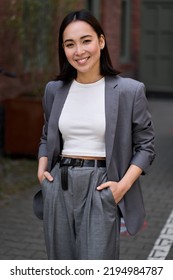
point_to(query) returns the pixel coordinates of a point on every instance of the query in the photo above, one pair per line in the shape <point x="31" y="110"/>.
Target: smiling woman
<point x="82" y="48"/>
<point x="95" y="35"/>
<point x="97" y="140"/>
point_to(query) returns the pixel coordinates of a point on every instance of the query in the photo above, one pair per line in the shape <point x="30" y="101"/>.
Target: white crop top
<point x="82" y="120"/>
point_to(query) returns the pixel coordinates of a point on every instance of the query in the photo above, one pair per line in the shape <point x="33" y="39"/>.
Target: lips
<point x="82" y="61"/>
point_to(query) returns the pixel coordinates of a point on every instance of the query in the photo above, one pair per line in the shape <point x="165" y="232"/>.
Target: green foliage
<point x="35" y="25"/>
<point x="33" y="22"/>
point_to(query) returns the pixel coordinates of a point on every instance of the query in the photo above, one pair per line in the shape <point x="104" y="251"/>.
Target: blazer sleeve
<point x="142" y="131"/>
<point x="47" y="102"/>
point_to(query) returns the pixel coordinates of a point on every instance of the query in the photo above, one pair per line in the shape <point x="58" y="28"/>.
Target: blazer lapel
<point x="111" y="111"/>
<point x="54" y="135"/>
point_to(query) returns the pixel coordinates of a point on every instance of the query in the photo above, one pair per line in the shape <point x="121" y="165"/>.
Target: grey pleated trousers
<point x="81" y="222"/>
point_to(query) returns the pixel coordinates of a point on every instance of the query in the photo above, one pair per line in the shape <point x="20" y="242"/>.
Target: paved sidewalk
<point x="21" y="233"/>
<point x="157" y="186"/>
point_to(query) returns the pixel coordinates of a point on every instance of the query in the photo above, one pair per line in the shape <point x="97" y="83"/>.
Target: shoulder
<point x="127" y="86"/>
<point x="53" y="86"/>
<point x="51" y="89"/>
<point x="129" y="90"/>
<point x="128" y="83"/>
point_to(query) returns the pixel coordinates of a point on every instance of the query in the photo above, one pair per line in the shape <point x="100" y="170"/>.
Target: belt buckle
<point x="79" y="162"/>
<point x="66" y="163"/>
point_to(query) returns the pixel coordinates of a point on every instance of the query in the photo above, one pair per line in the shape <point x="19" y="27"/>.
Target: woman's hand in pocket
<point x="115" y="188"/>
<point x="45" y="175"/>
<point x="42" y="170"/>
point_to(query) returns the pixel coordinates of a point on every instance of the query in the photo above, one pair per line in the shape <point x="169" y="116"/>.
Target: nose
<point x="79" y="49"/>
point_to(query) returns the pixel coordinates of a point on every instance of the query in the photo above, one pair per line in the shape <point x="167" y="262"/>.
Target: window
<point x="94" y="7"/>
<point x="35" y="33"/>
<point x="125" y="31"/>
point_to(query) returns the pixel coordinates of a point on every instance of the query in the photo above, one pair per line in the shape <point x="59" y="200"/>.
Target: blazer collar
<point x="54" y="139"/>
<point x="111" y="111"/>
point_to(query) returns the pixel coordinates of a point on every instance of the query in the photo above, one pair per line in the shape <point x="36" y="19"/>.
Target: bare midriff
<point x="84" y="157"/>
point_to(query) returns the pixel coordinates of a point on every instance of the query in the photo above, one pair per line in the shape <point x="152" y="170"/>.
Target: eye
<point x="69" y="45"/>
<point x="87" y="41"/>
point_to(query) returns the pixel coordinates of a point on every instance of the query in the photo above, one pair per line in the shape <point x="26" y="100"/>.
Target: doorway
<point x="156" y="56"/>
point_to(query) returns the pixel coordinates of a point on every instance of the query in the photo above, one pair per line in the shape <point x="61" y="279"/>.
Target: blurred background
<point x="28" y="60"/>
<point x="140" y="40"/>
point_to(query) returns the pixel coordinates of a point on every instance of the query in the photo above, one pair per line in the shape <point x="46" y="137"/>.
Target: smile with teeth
<point x="82" y="60"/>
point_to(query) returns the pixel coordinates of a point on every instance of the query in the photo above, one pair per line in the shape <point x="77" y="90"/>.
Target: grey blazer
<point x="129" y="136"/>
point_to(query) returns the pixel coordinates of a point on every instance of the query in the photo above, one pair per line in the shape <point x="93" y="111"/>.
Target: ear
<point x="102" y="41"/>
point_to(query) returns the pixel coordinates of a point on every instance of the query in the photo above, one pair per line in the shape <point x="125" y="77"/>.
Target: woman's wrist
<point x="42" y="167"/>
<point x="132" y="174"/>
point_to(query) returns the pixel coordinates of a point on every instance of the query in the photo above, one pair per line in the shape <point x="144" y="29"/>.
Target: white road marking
<point x="164" y="242"/>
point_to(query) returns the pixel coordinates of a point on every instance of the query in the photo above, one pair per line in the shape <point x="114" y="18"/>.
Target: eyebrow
<point x="83" y="37"/>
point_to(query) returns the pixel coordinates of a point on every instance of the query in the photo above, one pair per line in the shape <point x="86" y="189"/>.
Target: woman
<point x="97" y="140"/>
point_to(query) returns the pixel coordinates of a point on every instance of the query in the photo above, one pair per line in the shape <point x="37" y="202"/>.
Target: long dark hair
<point x="68" y="72"/>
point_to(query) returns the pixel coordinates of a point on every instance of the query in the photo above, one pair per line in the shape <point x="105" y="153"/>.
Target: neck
<point x="88" y="79"/>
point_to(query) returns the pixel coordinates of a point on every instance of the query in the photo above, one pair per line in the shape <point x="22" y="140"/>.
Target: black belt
<point x="76" y="162"/>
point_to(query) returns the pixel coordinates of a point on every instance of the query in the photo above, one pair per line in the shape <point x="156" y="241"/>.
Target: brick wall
<point x="111" y="21"/>
<point x="10" y="52"/>
<point x="110" y="18"/>
<point x="135" y="35"/>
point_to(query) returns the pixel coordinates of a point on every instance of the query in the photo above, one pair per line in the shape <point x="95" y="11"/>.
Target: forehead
<point x="78" y="29"/>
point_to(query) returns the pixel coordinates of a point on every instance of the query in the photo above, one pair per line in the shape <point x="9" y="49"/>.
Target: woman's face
<point x="82" y="48"/>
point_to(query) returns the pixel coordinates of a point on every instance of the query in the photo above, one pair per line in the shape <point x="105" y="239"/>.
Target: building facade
<point x="139" y="34"/>
<point x="156" y="56"/>
<point x="120" y="20"/>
